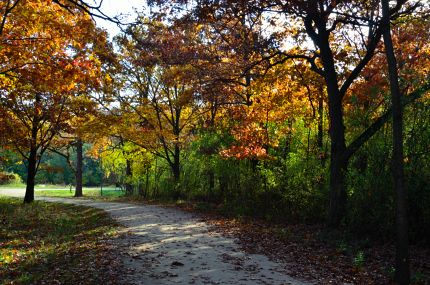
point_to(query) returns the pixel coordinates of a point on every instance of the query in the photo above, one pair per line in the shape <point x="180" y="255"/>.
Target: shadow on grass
<point x="48" y="243"/>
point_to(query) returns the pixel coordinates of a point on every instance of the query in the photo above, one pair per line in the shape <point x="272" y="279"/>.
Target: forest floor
<point x="162" y="245"/>
<point x="313" y="252"/>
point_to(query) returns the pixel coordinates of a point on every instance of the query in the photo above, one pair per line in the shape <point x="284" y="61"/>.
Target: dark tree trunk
<point x="175" y="165"/>
<point x="211" y="176"/>
<point x="320" y="135"/>
<point x="176" y="172"/>
<point x="223" y="186"/>
<point x="147" y="184"/>
<point x="288" y="140"/>
<point x="338" y="160"/>
<point x="31" y="174"/>
<point x="32" y="158"/>
<point x="315" y="22"/>
<point x="338" y="196"/>
<point x="402" y="275"/>
<point x="79" y="168"/>
<point x="140" y="189"/>
<point x="128" y="177"/>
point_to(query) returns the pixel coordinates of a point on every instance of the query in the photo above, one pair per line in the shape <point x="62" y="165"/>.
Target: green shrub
<point x="9" y="178"/>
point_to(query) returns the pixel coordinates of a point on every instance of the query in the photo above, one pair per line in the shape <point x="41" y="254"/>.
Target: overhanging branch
<point x="380" y="122"/>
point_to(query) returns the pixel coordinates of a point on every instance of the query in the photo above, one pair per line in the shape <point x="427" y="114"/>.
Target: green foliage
<point x="359" y="259"/>
<point x="53" y="169"/>
<point x="93" y="173"/>
<point x="371" y="204"/>
<point x="420" y="278"/>
<point x="11" y="162"/>
<point x="417" y="169"/>
<point x="371" y="207"/>
<point x="9" y="178"/>
<point x="291" y="189"/>
<point x="114" y="163"/>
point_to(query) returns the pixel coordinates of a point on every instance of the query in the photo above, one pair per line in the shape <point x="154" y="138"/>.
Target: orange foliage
<point x="277" y="100"/>
<point x="49" y="64"/>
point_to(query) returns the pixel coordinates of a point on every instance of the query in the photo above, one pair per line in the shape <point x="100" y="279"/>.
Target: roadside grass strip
<point x="52" y="243"/>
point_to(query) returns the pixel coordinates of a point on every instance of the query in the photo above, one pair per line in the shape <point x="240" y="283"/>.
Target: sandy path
<point x="168" y="246"/>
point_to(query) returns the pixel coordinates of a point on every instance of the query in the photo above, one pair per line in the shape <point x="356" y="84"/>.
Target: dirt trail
<point x="169" y="246"/>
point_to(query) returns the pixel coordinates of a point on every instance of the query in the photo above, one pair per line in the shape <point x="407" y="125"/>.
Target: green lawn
<point x="13" y="185"/>
<point x="50" y="243"/>
<point x="88" y="192"/>
<point x="66" y="191"/>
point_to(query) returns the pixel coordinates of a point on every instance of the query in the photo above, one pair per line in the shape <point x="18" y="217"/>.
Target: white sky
<point x="117" y="7"/>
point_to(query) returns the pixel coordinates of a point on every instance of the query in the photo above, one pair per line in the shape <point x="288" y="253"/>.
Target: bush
<point x="9" y="178"/>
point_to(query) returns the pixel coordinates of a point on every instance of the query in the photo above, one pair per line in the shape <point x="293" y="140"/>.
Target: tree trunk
<point x="338" y="158"/>
<point x="338" y="161"/>
<point x="128" y="178"/>
<point x="79" y="168"/>
<point x="320" y="135"/>
<point x="31" y="174"/>
<point x="147" y="184"/>
<point x="338" y="195"/>
<point x="223" y="186"/>
<point x="176" y="172"/>
<point x="211" y="176"/>
<point x="176" y="166"/>
<point x="140" y="188"/>
<point x="32" y="159"/>
<point x="402" y="275"/>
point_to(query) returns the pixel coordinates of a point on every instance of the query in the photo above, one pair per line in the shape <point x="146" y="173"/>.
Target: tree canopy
<point x="278" y="109"/>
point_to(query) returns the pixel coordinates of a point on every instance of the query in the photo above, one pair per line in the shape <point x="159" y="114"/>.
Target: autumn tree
<point x="402" y="257"/>
<point x="70" y="140"/>
<point x="159" y="92"/>
<point x="323" y="24"/>
<point x="87" y="124"/>
<point x="35" y="105"/>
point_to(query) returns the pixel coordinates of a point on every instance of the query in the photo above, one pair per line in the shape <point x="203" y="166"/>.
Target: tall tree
<point x="156" y="68"/>
<point x="35" y="105"/>
<point x="402" y="275"/>
<point x="63" y="146"/>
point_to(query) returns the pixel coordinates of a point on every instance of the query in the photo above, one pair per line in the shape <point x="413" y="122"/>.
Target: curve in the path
<point x="169" y="246"/>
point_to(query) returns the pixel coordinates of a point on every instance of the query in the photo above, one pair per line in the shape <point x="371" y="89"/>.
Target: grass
<point x="49" y="243"/>
<point x="88" y="192"/>
<point x="13" y="185"/>
<point x="65" y="191"/>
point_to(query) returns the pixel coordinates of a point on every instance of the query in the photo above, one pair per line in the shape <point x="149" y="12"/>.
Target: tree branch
<point x="370" y="131"/>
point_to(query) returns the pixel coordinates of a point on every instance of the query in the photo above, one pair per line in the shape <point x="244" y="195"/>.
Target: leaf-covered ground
<point x="49" y="243"/>
<point x="318" y="255"/>
<point x="310" y="254"/>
